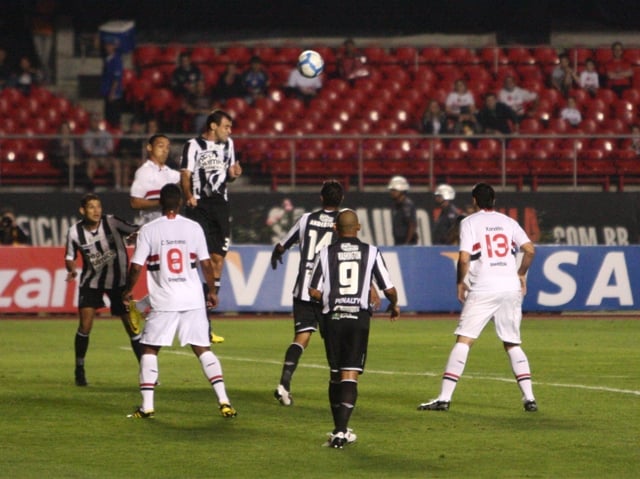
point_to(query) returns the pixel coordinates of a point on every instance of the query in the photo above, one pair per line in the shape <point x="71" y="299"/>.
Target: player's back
<point x="315" y="232"/>
<point x="492" y="239"/>
<point x="172" y="248"/>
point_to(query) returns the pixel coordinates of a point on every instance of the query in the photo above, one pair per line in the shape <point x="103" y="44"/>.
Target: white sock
<point x="213" y="372"/>
<point x="522" y="371"/>
<point x="453" y="370"/>
<point x="148" y="378"/>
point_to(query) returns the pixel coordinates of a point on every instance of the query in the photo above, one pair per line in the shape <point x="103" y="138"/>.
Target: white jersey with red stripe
<point x="172" y="247"/>
<point x="147" y="183"/>
<point x="493" y="240"/>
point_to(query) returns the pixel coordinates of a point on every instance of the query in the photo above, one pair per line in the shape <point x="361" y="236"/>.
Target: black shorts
<point x="307" y="315"/>
<point x="93" y="298"/>
<point x="213" y="215"/>
<point x="346" y="342"/>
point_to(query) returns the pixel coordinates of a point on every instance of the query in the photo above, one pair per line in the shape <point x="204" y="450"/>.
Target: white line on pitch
<point x="428" y="374"/>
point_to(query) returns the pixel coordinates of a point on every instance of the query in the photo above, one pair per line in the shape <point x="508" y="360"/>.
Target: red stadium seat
<point x="463" y="56"/>
<point x="557" y="126"/>
<point x="433" y="55"/>
<point x="545" y="55"/>
<point x="606" y="95"/>
<point x="530" y="126"/>
<point x="238" y="53"/>
<point x="520" y="55"/>
<point x="147" y="55"/>
<point x="632" y="55"/>
<point x="203" y="54"/>
<point x="493" y="57"/>
<point x="603" y="55"/>
<point x="406" y="55"/>
<point x="578" y="56"/>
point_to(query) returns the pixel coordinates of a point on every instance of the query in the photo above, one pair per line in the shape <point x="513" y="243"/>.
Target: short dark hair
<point x="332" y="193"/>
<point x="216" y="117"/>
<point x="563" y="55"/>
<point x="484" y="195"/>
<point x="156" y="136"/>
<point x="170" y="196"/>
<point x="88" y="197"/>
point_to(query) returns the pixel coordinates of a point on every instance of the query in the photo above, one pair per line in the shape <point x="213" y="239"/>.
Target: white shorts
<point x="192" y="326"/>
<point x="505" y="308"/>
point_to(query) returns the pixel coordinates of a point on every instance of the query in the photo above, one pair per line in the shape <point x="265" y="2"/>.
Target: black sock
<point x="334" y="399"/>
<point x="81" y="346"/>
<point x="348" y="396"/>
<point x="291" y="359"/>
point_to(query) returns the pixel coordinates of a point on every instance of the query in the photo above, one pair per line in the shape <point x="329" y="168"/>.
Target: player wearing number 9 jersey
<point x="490" y="285"/>
<point x="312" y="231"/>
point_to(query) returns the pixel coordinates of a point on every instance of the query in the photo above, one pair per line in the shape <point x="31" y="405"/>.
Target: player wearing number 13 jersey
<point x="490" y="285"/>
<point x="313" y="231"/>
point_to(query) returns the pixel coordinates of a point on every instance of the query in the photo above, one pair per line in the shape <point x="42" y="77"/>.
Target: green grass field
<point x="585" y="371"/>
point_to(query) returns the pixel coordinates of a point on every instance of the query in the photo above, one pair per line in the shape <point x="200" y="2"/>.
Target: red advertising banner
<point x="33" y="279"/>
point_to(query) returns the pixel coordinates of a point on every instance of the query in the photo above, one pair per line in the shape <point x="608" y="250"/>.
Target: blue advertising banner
<point x="583" y="278"/>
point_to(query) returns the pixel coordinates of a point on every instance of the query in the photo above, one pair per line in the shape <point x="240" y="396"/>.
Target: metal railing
<point x="39" y="148"/>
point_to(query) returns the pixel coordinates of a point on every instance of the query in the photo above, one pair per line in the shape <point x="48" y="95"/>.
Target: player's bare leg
<point x="218" y="263"/>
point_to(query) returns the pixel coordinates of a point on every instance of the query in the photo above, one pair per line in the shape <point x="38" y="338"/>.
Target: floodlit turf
<point x="585" y="373"/>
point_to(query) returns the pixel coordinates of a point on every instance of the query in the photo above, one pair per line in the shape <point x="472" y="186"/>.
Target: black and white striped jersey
<point x="103" y="251"/>
<point x="313" y="231"/>
<point x="208" y="162"/>
<point x="343" y="273"/>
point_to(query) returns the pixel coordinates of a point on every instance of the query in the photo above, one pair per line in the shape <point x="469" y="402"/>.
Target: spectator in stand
<point x="111" y="87"/>
<point x="635" y="139"/>
<point x="185" y="76"/>
<point x="301" y="87"/>
<point x="98" y="147"/>
<point x="65" y="155"/>
<point x="618" y="71"/>
<point x="196" y="106"/>
<point x="460" y="107"/>
<point x="255" y="80"/>
<point x="496" y="117"/>
<point x="5" y="71"/>
<point x="522" y="101"/>
<point x="570" y="113"/>
<point x="11" y="234"/>
<point x="27" y="76"/>
<point x="589" y="79"/>
<point x="229" y="84"/>
<point x="351" y="63"/>
<point x="563" y="76"/>
<point x="132" y="148"/>
<point x="434" y="120"/>
<point x="42" y="19"/>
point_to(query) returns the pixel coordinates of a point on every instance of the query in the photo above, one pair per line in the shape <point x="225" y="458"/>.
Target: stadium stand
<point x="389" y="102"/>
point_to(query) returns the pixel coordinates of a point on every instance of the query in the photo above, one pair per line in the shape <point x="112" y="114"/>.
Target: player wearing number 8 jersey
<point x="312" y="231"/>
<point x="490" y="285"/>
<point x="171" y="247"/>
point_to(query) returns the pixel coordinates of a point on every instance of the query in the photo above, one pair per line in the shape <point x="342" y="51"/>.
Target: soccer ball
<point x="310" y="63"/>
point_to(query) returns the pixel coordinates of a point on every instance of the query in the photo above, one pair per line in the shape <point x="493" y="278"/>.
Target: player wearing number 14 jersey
<point x="313" y="231"/>
<point x="490" y="285"/>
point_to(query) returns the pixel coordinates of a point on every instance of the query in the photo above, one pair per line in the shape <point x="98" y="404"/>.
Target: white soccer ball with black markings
<point x="310" y="63"/>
